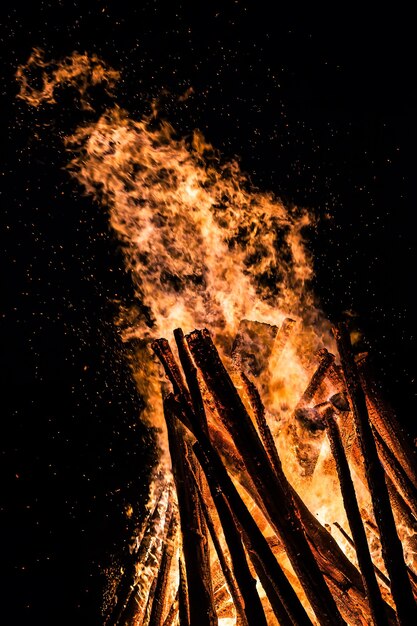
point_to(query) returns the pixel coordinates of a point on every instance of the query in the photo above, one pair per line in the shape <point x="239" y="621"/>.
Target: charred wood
<point x="194" y="538"/>
<point x="350" y="541"/>
<point x="161" y="589"/>
<point x="350" y="502"/>
<point x="249" y="597"/>
<point x="183" y="599"/>
<point x="384" y="420"/>
<point x="390" y="543"/>
<point x="253" y="346"/>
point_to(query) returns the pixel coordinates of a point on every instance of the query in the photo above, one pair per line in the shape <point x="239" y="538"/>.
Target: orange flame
<point x="204" y="249"/>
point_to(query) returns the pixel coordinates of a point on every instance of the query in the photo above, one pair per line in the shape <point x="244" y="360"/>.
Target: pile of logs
<point x="235" y="543"/>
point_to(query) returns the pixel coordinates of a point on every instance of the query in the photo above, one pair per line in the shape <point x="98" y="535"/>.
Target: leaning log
<point x="396" y="473"/>
<point x="161" y="589"/>
<point x="350" y="541"/>
<point x="194" y="538"/>
<point x="391" y="546"/>
<point x="384" y="420"/>
<point x="247" y="599"/>
<point x="339" y="572"/>
<point x="134" y="601"/>
<point x="355" y="521"/>
<point x="183" y="599"/>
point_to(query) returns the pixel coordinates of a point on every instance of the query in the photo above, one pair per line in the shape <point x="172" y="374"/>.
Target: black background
<point x="320" y="108"/>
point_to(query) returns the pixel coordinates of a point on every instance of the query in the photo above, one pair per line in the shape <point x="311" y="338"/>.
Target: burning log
<point x="326" y="360"/>
<point x="391" y="545"/>
<point x="339" y="572"/>
<point x="396" y="473"/>
<point x="284" y="601"/>
<point x="376" y="604"/>
<point x="253" y="346"/>
<point x="321" y="541"/>
<point x="234" y="590"/>
<point x="308" y="426"/>
<point x="350" y="541"/>
<point x="253" y="610"/>
<point x="284" y="334"/>
<point x="284" y="515"/>
<point x="183" y="599"/>
<point x="259" y="412"/>
<point x="385" y="422"/>
<point x="161" y="587"/>
<point x="194" y="538"/>
<point x="135" y="610"/>
<point x="411" y="574"/>
<point x="149" y="603"/>
<point x="130" y="583"/>
<point x="172" y="613"/>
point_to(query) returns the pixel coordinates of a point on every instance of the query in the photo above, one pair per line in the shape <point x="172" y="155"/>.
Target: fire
<point x="206" y="249"/>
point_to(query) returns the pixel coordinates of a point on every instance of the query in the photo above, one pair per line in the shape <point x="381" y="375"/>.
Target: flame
<point x="204" y="249"/>
<point x="40" y="79"/>
<point x="201" y="246"/>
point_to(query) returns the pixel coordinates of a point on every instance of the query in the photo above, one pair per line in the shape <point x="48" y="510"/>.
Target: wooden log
<point x="183" y="599"/>
<point x="337" y="568"/>
<point x="326" y="360"/>
<point x="284" y="334"/>
<point x="138" y="607"/>
<point x="396" y="473"/>
<point x="190" y="371"/>
<point x="350" y="541"/>
<point x="240" y="600"/>
<point x="411" y="574"/>
<point x="350" y="502"/>
<point x="400" y="506"/>
<point x="149" y="605"/>
<point x="322" y="542"/>
<point x="173" y="612"/>
<point x="259" y="413"/>
<point x="274" y="599"/>
<point x="161" y="588"/>
<point x="164" y="353"/>
<point x="252" y="346"/>
<point x="391" y="546"/>
<point x="403" y="511"/>
<point x="384" y="420"/>
<point x="284" y="600"/>
<point x="326" y="550"/>
<point x="254" y="612"/>
<point x="339" y="571"/>
<point x="306" y="433"/>
<point x="194" y="539"/>
<point x="128" y="579"/>
<point x="277" y="498"/>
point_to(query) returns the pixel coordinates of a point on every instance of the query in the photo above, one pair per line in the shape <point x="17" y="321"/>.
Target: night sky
<point x="319" y="108"/>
